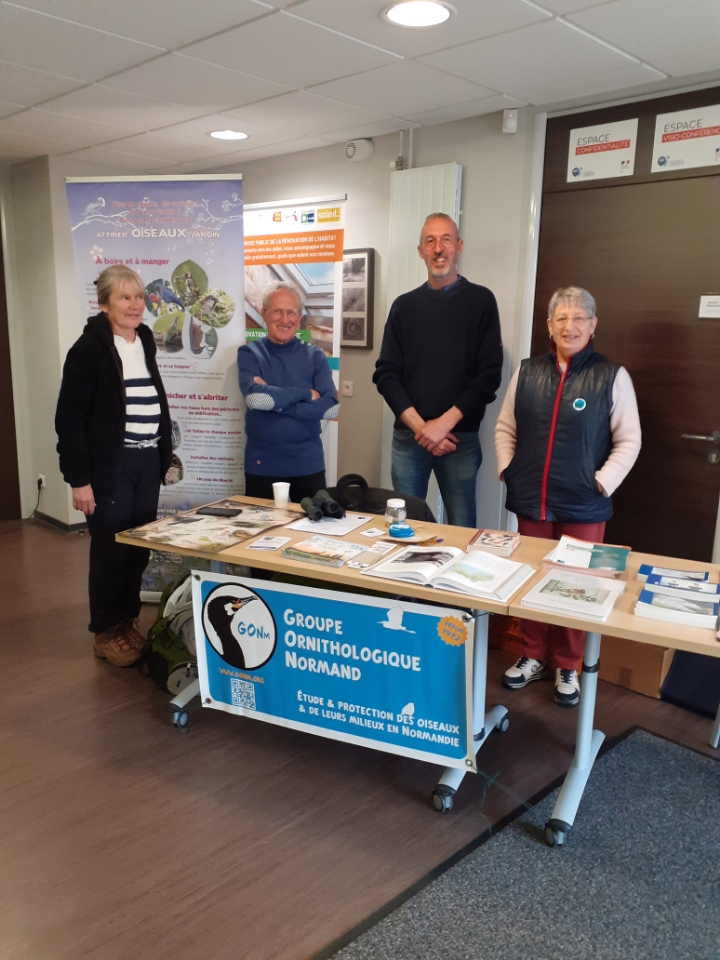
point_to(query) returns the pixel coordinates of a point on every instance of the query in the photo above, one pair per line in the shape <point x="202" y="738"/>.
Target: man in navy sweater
<point x="439" y="366"/>
<point x="289" y="391"/>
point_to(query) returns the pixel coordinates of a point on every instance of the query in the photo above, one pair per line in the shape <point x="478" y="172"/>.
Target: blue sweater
<point x="282" y="422"/>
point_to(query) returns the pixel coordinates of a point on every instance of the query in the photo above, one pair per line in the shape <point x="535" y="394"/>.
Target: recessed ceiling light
<point x="418" y="13"/>
<point x="228" y="135"/>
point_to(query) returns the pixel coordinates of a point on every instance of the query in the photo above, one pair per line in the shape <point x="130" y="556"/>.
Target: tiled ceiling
<point x="139" y="85"/>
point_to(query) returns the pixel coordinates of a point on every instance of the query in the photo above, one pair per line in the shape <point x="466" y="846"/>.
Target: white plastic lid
<point x="395" y="504"/>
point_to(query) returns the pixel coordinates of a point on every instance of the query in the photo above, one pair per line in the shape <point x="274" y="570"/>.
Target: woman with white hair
<point x="114" y="440"/>
<point x="567" y="436"/>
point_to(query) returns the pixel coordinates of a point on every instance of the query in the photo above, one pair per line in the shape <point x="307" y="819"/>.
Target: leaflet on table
<point x="190" y="529"/>
<point x="575" y="595"/>
<point x="331" y="553"/>
<point x="500" y="542"/>
<point x="355" y="668"/>
<point x="646" y="569"/>
<point x="683" y="587"/>
<point x="269" y="543"/>
<point x="448" y="568"/>
<point x="604" y="559"/>
<point x="689" y="610"/>
<point x="329" y="526"/>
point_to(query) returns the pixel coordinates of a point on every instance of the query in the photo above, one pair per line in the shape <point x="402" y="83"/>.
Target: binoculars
<point x="322" y="505"/>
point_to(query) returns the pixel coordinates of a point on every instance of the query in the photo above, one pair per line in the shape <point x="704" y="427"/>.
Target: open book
<point x="601" y="559"/>
<point x="448" y="568"/>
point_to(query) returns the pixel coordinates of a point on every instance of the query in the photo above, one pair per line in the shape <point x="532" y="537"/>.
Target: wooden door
<point x="9" y="485"/>
<point x="647" y="250"/>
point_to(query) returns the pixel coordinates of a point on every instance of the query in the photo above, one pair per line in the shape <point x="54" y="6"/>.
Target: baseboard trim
<point x="67" y="527"/>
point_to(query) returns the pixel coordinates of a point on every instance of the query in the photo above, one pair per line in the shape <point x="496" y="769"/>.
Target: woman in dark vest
<point x="567" y="435"/>
<point x="114" y="441"/>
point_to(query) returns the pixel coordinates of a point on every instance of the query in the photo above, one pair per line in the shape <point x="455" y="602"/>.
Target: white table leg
<point x="483" y="723"/>
<point x="178" y="704"/>
<point x="587" y="745"/>
<point x="715" y="735"/>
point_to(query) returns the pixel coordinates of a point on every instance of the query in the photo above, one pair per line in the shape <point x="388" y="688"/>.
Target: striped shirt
<point x="142" y="408"/>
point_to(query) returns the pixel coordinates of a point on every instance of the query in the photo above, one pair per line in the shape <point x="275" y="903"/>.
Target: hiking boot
<point x="133" y="635"/>
<point x="523" y="671"/>
<point x="567" y="688"/>
<point x="115" y="646"/>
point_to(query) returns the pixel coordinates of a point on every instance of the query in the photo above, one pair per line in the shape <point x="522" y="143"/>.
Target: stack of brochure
<point x="500" y="542"/>
<point x="603" y="559"/>
<point x="646" y="569"/>
<point x="679" y="600"/>
<point x="448" y="568"/>
<point x="574" y="594"/>
<point x="330" y="553"/>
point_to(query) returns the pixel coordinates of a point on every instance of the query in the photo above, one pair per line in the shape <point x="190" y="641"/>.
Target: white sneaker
<point x="523" y="671"/>
<point x="567" y="688"/>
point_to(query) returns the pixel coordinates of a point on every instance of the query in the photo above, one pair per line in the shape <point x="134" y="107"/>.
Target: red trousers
<point x="542" y="641"/>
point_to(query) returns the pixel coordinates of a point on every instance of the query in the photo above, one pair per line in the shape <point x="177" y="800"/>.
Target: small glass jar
<point x="395" y="512"/>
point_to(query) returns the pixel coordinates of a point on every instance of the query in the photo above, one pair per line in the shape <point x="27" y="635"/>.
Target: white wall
<point x="495" y="205"/>
<point x="44" y="309"/>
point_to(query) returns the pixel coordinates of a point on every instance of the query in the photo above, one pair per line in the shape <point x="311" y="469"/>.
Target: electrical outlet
<point x="346" y="388"/>
<point x="41" y="481"/>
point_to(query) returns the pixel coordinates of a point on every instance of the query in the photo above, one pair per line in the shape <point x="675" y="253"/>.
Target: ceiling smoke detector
<point x="418" y="13"/>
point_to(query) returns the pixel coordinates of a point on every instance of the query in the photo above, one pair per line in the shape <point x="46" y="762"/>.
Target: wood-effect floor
<point x="124" y="838"/>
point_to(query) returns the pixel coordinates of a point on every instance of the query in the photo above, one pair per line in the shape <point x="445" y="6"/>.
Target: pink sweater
<point x="624" y="425"/>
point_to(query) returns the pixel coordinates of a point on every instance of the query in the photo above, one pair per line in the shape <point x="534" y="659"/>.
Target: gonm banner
<point x="381" y="673"/>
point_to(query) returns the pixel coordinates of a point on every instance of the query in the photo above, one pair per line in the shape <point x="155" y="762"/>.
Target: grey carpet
<point x="637" y="879"/>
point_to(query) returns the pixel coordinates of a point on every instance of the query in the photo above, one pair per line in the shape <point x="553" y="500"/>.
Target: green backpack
<point x="172" y="661"/>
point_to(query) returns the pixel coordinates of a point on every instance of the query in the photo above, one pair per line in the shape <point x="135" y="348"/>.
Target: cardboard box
<point x="641" y="667"/>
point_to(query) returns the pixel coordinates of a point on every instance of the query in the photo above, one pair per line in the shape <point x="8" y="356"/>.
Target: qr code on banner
<point x="243" y="693"/>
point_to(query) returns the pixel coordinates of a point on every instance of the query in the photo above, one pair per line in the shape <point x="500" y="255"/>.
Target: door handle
<point x="713" y="438"/>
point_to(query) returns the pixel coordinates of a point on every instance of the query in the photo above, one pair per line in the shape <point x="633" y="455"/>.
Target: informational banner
<point x="184" y="238"/>
<point x="381" y="673"/>
<point x="300" y="242"/>
<point x="603" y="151"/>
<point x="686" y="139"/>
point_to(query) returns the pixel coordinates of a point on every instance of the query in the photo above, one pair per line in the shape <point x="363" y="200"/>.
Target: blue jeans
<point x="456" y="473"/>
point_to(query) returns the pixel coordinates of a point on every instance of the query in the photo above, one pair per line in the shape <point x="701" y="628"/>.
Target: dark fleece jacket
<point x="90" y="416"/>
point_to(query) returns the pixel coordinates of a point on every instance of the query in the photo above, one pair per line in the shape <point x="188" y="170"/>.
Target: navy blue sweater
<point x="441" y="348"/>
<point x="282" y="421"/>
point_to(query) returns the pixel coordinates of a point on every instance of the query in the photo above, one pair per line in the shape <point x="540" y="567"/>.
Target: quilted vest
<point x="563" y="438"/>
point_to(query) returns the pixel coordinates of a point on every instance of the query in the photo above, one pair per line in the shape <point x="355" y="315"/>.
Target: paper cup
<point x="281" y="492"/>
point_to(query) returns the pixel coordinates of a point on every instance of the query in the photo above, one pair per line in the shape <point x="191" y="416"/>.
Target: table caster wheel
<point x="503" y="725"/>
<point x="442" y="799"/>
<point x="555" y="832"/>
<point x="180" y="718"/>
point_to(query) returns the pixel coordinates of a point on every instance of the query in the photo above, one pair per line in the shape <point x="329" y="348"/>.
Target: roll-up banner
<point x="184" y="237"/>
<point x="381" y="673"/>
<point x="301" y="242"/>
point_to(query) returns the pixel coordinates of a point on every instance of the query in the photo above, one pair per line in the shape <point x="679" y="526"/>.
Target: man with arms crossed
<point x="439" y="366"/>
<point x="289" y="391"/>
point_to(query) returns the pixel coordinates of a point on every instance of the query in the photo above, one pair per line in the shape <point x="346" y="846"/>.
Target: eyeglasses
<point x="562" y="320"/>
<point x="277" y="314"/>
<point x="446" y="241"/>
